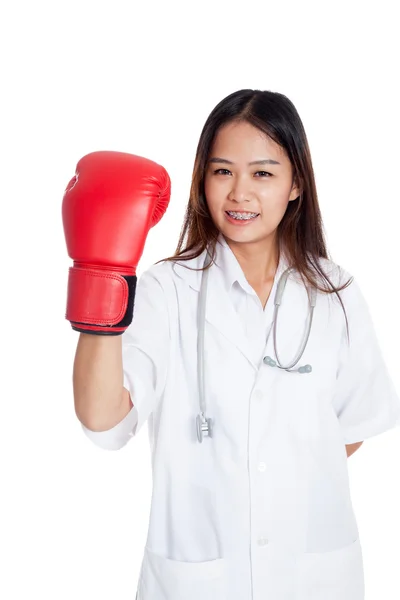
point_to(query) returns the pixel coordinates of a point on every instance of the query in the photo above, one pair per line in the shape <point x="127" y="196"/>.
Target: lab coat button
<point x="262" y="466"/>
<point x="258" y="395"/>
<point x="262" y="542"/>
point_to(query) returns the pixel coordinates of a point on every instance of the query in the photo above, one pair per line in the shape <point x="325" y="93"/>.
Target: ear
<point x="295" y="192"/>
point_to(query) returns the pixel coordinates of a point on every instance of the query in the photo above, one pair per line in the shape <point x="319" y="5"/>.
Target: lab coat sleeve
<point x="145" y="353"/>
<point x="365" y="400"/>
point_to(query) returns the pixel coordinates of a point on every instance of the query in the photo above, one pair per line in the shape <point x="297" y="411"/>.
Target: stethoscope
<point x="204" y="425"/>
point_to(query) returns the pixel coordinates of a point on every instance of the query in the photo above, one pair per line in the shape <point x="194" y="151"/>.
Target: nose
<point x="240" y="191"/>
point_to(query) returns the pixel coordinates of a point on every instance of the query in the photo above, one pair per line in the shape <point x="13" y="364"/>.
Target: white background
<point x="142" y="77"/>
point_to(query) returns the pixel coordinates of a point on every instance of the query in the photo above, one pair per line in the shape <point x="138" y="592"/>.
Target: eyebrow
<point x="266" y="161"/>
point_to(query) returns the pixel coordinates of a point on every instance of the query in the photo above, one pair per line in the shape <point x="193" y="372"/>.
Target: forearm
<point x="351" y="448"/>
<point x="100" y="402"/>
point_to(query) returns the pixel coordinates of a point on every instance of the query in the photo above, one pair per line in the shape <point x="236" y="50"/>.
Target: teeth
<point x="243" y="216"/>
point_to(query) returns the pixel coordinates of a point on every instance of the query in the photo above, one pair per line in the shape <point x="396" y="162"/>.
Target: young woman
<point x="255" y="395"/>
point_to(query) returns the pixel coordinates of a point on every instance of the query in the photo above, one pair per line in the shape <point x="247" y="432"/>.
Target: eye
<point x="226" y="171"/>
<point x="219" y="170"/>
<point x="264" y="173"/>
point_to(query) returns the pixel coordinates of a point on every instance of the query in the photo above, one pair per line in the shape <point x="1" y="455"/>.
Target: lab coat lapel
<point x="221" y="314"/>
<point x="220" y="311"/>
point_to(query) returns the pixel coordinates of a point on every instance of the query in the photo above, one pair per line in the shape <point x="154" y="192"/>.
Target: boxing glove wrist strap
<point x="100" y="301"/>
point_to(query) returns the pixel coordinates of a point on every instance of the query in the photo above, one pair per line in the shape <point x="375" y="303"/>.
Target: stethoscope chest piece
<point x="204" y="427"/>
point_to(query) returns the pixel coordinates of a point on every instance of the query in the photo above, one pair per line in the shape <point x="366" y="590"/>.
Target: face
<point x="232" y="183"/>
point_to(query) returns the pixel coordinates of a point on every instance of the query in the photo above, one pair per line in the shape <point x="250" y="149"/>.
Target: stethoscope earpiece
<point x="272" y="363"/>
<point x="305" y="369"/>
<point x="269" y="361"/>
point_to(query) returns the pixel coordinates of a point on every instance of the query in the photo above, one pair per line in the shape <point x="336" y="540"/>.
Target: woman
<point x="251" y="496"/>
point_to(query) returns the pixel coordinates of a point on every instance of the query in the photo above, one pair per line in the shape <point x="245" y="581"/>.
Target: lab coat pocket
<point x="165" y="579"/>
<point x="333" y="575"/>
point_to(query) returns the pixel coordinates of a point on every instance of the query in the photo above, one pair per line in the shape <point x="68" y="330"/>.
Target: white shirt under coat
<point x="262" y="509"/>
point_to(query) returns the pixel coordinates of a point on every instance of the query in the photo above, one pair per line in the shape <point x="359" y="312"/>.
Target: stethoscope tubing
<point x="204" y="425"/>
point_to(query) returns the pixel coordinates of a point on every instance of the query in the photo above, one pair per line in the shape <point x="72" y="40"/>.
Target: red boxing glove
<point x="107" y="210"/>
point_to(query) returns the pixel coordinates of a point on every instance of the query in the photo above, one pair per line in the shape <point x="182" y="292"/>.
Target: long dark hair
<point x="300" y="231"/>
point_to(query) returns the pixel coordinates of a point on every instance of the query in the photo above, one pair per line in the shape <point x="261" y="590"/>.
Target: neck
<point x="258" y="260"/>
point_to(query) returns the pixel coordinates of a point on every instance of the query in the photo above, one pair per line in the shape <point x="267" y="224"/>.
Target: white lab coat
<point x="261" y="510"/>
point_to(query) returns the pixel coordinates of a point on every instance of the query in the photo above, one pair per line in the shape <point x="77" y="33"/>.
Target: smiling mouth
<point x="241" y="215"/>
